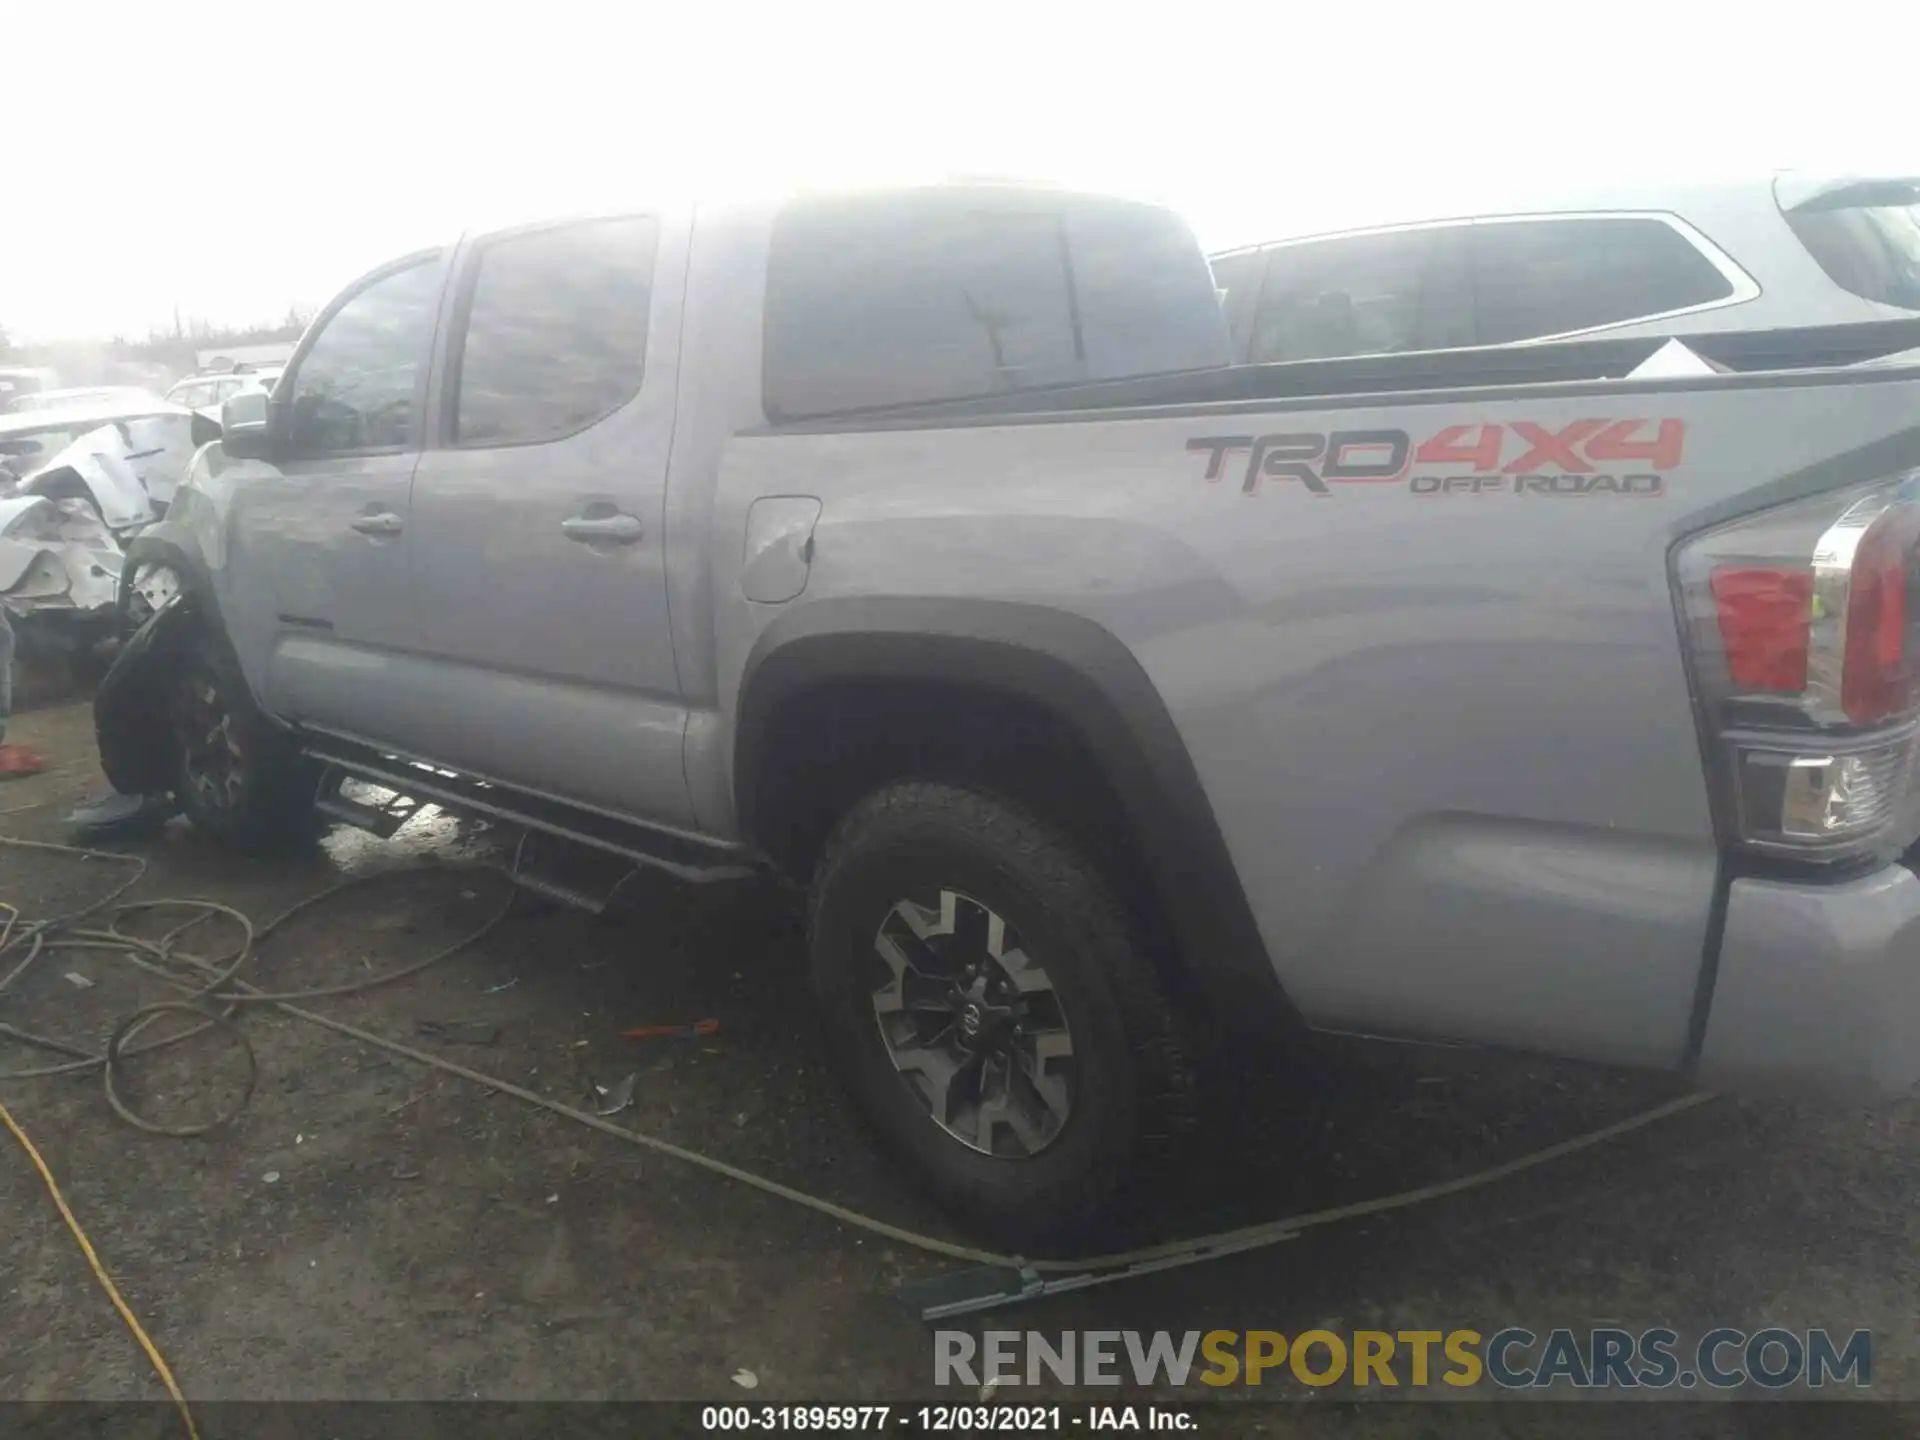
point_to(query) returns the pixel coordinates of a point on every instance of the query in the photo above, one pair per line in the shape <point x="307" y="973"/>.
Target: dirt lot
<point x="372" y="1229"/>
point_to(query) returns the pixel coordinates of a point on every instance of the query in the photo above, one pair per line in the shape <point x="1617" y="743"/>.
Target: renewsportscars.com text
<point x="1513" y="1358"/>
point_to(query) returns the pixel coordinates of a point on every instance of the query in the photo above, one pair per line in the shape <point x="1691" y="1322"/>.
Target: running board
<point x="414" y="784"/>
<point x="381" y="818"/>
<point x="570" y="874"/>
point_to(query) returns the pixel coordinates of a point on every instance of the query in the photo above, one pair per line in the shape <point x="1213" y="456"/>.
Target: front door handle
<point x="383" y="523"/>
<point x="603" y="529"/>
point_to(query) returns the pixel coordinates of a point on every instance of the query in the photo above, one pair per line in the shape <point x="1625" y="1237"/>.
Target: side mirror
<point x="246" y="425"/>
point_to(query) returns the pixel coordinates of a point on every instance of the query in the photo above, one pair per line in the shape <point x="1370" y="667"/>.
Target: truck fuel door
<point x="779" y="547"/>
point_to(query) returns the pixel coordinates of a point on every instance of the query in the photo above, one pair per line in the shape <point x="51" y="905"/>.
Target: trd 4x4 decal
<point x="1585" y="457"/>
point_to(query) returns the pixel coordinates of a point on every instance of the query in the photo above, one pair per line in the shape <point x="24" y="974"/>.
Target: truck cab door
<point x="539" y="516"/>
<point x="319" y="596"/>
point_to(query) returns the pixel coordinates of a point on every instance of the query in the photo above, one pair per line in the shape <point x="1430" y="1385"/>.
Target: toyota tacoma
<point x="1118" y="708"/>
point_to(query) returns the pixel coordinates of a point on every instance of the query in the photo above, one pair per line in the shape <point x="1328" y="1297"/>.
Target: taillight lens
<point x="1802" y="626"/>
<point x="1876" y="679"/>
<point x="1763" y="614"/>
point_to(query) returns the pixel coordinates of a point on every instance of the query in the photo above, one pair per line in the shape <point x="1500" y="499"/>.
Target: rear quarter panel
<point x="1445" y="728"/>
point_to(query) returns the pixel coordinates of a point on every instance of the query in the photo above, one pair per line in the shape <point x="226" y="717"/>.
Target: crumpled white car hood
<point x="120" y="483"/>
<point x="56" y="555"/>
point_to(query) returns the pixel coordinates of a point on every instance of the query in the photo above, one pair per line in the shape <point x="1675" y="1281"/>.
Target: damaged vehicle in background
<point x="19" y="380"/>
<point x="59" y="576"/>
<point x="75" y="484"/>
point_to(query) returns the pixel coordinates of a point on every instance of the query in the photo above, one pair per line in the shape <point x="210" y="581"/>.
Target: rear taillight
<point x="1804" y="626"/>
<point x="1877" y="675"/>
<point x="1762" y="611"/>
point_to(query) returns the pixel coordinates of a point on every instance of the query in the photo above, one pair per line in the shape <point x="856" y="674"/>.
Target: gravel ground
<point x="372" y="1229"/>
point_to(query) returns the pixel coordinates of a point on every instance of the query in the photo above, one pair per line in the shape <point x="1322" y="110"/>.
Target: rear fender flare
<point x="1080" y="674"/>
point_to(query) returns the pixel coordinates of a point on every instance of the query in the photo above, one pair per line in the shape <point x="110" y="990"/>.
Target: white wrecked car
<point x="125" y="457"/>
<point x="75" y="484"/>
<point x="56" y="555"/>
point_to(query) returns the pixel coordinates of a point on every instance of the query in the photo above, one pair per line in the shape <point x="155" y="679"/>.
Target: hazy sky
<point x="229" y="159"/>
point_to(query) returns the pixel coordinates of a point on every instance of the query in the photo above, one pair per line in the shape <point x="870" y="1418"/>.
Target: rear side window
<point x="1534" y="278"/>
<point x="1867" y="239"/>
<point x="556" y="331"/>
<point x="1358" y="295"/>
<point x="895" y="300"/>
<point x="1143" y="291"/>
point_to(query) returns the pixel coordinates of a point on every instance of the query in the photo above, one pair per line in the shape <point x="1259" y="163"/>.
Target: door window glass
<point x="355" y="386"/>
<point x="556" y="331"/>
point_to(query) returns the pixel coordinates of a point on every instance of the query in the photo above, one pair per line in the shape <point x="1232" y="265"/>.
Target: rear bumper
<point x="1818" y="987"/>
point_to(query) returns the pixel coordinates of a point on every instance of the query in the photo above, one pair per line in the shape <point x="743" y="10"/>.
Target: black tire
<point x="1131" y="1085"/>
<point x="238" y="777"/>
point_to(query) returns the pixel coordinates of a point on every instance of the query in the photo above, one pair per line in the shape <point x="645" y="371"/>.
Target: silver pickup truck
<point x="1119" y="710"/>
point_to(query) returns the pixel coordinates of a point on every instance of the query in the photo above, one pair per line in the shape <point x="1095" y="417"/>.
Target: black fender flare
<point x="1081" y="675"/>
<point x="154" y="546"/>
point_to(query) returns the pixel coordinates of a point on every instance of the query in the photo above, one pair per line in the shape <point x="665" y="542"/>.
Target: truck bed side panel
<point x="1428" y="669"/>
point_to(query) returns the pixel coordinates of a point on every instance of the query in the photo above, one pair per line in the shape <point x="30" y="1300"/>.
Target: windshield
<point x="1871" y="249"/>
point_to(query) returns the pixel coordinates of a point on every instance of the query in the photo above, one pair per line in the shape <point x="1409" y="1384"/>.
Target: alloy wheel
<point x="973" y="1024"/>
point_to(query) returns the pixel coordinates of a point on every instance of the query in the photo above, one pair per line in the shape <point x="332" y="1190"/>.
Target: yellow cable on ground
<point x="100" y="1273"/>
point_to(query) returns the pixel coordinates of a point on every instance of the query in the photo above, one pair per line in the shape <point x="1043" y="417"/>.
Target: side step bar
<point x="413" y="785"/>
<point x="382" y="820"/>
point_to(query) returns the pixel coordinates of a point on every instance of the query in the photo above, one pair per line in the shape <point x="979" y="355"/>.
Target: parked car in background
<point x="199" y="392"/>
<point x="75" y="397"/>
<point x="236" y="359"/>
<point x="1796" y="251"/>
<point x="18" y="380"/>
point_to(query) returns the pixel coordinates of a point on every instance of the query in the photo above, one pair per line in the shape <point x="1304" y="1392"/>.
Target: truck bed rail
<point x="1826" y="347"/>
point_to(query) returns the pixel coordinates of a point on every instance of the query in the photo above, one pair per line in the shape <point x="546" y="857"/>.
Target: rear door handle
<point x="384" y="523"/>
<point x="603" y="529"/>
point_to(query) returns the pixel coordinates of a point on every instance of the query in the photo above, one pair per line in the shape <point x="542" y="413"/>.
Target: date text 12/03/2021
<point x="950" y="1419"/>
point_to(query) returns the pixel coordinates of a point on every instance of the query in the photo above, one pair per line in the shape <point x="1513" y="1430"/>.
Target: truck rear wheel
<point x="992" y="1007"/>
<point x="240" y="779"/>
